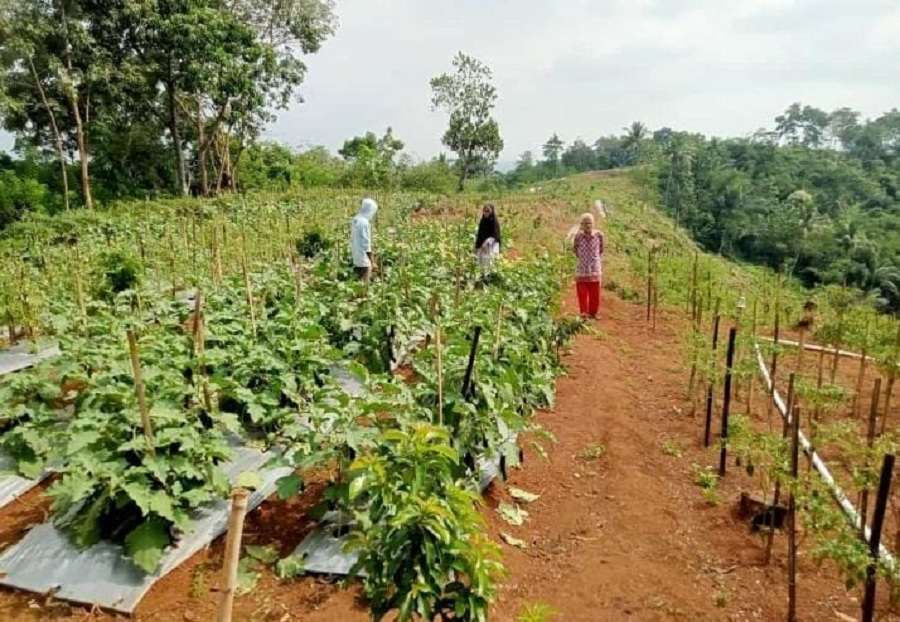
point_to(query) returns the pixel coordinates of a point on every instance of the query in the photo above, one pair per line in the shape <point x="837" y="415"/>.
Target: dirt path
<point x="622" y="535"/>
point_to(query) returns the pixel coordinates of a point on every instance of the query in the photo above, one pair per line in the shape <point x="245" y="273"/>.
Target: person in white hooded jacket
<point x="361" y="240"/>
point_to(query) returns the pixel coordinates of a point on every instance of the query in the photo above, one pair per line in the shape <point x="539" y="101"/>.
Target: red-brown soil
<point x="622" y="536"/>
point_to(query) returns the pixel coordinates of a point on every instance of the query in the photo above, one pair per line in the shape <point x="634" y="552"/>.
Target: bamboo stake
<point x="792" y="518"/>
<point x="139" y="389"/>
<point x="649" y="283"/>
<point x="776" y="496"/>
<point x="860" y="376"/>
<point x="774" y="366"/>
<point x="497" y="333"/>
<point x="249" y="292"/>
<point x="440" y="374"/>
<point x="870" y="441"/>
<point x="892" y="378"/>
<point x="79" y="289"/>
<point x="750" y="380"/>
<point x="232" y="553"/>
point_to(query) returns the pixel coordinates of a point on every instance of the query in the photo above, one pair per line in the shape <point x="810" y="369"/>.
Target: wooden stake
<point x="139" y="389"/>
<point x="232" y="553"/>
<point x="79" y="290"/>
<point x="776" y="496"/>
<point x="440" y="374"/>
<point x="497" y="333"/>
<point x="892" y="378"/>
<point x="792" y="517"/>
<point x="860" y="376"/>
<point x="249" y="291"/>
<point x="750" y="380"/>
<point x="649" y="283"/>
<point x="726" y="402"/>
<point x="470" y="366"/>
<point x="711" y="382"/>
<point x="884" y="488"/>
<point x="870" y="441"/>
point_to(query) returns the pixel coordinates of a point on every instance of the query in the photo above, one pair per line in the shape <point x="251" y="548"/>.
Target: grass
<point x="592" y="452"/>
<point x="672" y="448"/>
<point x="537" y="612"/>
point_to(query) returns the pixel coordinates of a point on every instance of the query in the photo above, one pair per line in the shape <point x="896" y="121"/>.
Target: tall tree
<point x="579" y="157"/>
<point x="635" y="134"/>
<point x="469" y="97"/>
<point x="51" y="76"/>
<point x="552" y="151"/>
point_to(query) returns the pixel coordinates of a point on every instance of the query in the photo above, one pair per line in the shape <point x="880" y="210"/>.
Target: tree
<point x="51" y="75"/>
<point x="468" y="97"/>
<point x="843" y="123"/>
<point x="552" y="151"/>
<point x="788" y="125"/>
<point x="579" y="157"/>
<point x="635" y="134"/>
<point x="372" y="159"/>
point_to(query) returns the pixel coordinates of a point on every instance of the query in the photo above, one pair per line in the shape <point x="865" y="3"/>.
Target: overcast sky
<point x="586" y="68"/>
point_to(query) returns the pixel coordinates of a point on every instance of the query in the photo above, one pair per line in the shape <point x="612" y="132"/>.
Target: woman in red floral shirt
<point x="588" y="247"/>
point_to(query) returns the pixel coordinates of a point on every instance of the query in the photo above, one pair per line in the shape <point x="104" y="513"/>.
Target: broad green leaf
<point x="249" y="479"/>
<point x="247" y="575"/>
<point x="78" y="441"/>
<point x="265" y="554"/>
<point x="146" y="544"/>
<point x="31" y="469"/>
<point x="289" y="485"/>
<point x="290" y="567"/>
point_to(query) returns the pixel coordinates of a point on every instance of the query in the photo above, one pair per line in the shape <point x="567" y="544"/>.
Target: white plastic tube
<point x="818" y="464"/>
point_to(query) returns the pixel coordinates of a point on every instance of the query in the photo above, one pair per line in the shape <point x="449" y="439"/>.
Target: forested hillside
<point x="817" y="197"/>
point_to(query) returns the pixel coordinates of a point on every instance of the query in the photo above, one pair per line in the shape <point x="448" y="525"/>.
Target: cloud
<point x="586" y="68"/>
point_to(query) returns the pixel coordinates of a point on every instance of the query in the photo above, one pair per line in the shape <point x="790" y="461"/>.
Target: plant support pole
<point x="870" y="441"/>
<point x="139" y="388"/>
<point x="711" y="383"/>
<point x="884" y="489"/>
<point x="440" y="374"/>
<point x="726" y="404"/>
<point x="232" y="553"/>
<point x="792" y="517"/>
<point x="467" y="379"/>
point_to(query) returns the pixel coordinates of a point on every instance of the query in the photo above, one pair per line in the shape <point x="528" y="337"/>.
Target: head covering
<point x="368" y="209"/>
<point x="488" y="227"/>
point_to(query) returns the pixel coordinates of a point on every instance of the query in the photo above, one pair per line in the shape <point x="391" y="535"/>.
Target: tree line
<point x="156" y="94"/>
<point x="817" y="196"/>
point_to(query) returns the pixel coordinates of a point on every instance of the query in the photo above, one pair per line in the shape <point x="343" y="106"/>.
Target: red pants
<point x="588" y="297"/>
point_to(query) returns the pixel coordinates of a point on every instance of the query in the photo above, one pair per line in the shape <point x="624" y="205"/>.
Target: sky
<point x="587" y="68"/>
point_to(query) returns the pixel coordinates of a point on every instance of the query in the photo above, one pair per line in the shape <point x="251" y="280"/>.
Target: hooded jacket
<point x="361" y="233"/>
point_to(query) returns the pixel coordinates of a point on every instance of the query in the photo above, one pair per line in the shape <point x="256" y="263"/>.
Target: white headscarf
<point x="368" y="209"/>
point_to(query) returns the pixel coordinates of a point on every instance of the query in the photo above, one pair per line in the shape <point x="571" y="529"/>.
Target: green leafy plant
<point x="537" y="612"/>
<point x="592" y="452"/>
<point x="420" y="539"/>
<point x="708" y="481"/>
<point x="312" y="243"/>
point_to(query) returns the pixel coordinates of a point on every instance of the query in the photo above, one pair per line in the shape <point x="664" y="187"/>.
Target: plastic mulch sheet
<point x="13" y="486"/>
<point x="20" y="356"/>
<point x="45" y="560"/>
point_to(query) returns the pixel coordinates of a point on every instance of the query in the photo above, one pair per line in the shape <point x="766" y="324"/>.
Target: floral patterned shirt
<point x="588" y="250"/>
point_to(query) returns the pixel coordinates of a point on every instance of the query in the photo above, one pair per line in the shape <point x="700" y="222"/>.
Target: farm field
<point x="621" y="527"/>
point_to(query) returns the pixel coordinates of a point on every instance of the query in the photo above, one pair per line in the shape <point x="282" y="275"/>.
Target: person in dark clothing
<point x="487" y="240"/>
